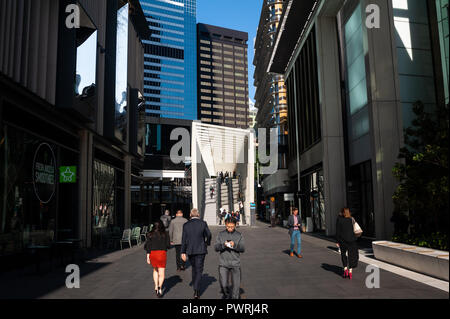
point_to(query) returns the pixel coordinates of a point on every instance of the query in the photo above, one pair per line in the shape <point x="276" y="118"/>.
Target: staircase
<point x="233" y="190"/>
<point x="225" y="203"/>
<point x="229" y="199"/>
<point x="210" y="214"/>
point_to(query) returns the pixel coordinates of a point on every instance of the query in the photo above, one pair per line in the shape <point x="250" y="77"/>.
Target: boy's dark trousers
<point x="235" y="273"/>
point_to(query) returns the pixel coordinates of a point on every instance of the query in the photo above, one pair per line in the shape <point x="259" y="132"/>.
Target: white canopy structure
<point x="221" y="149"/>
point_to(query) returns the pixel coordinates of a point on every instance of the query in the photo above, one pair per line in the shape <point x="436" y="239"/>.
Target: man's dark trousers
<point x="197" y="263"/>
<point x="180" y="262"/>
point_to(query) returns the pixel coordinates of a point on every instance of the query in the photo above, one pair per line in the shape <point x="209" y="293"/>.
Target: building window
<point x="360" y="196"/>
<point x="442" y="16"/>
<point x="307" y="98"/>
<point x="121" y="74"/>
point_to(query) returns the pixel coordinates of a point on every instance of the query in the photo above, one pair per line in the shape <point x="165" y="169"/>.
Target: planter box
<point x="427" y="261"/>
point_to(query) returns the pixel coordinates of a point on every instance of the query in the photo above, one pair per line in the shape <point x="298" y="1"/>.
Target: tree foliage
<point x="422" y="197"/>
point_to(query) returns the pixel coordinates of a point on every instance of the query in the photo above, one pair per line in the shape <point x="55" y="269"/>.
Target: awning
<point x="293" y="21"/>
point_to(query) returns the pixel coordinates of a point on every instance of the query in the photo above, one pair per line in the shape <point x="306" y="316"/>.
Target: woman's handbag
<point x="356" y="229"/>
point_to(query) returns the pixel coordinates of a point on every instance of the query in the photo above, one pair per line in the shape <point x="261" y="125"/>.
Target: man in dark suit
<point x="196" y="236"/>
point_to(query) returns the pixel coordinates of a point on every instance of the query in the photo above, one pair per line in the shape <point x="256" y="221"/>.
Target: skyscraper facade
<point x="222" y="76"/>
<point x="171" y="59"/>
<point x="271" y="103"/>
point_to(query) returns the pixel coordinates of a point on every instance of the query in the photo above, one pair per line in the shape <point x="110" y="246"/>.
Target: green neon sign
<point x="68" y="174"/>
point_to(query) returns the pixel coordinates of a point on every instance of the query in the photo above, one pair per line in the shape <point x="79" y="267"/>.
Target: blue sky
<point x="242" y="15"/>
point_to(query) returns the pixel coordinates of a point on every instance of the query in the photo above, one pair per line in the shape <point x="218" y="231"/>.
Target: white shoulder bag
<point x="356" y="229"/>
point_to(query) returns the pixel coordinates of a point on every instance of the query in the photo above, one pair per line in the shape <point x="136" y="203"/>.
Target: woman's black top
<point x="344" y="230"/>
<point x="157" y="242"/>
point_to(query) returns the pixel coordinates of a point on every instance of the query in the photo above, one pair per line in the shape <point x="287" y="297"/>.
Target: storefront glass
<point x="312" y="200"/>
<point x="34" y="206"/>
<point x="360" y="197"/>
<point x="103" y="215"/>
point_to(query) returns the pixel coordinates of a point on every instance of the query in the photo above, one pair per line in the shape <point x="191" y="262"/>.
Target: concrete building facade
<point x="351" y="84"/>
<point x="72" y="113"/>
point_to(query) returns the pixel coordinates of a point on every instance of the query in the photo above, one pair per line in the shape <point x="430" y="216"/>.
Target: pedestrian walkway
<point x="268" y="272"/>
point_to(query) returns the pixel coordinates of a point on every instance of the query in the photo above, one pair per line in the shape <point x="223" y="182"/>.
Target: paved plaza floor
<point x="268" y="272"/>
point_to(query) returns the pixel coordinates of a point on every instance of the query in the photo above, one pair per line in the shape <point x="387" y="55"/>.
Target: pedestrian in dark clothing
<point x="346" y="239"/>
<point x="196" y="238"/>
<point x="176" y="234"/>
<point x="165" y="219"/>
<point x="230" y="244"/>
<point x="156" y="246"/>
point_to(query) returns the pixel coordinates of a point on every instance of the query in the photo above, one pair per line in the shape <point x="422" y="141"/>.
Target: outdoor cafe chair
<point x="144" y="232"/>
<point x="126" y="237"/>
<point x="136" y="235"/>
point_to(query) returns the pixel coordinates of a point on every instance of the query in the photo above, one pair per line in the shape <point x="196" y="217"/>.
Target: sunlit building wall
<point x="351" y="89"/>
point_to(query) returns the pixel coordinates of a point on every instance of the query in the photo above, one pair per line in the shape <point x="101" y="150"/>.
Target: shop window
<point x="103" y="211"/>
<point x="24" y="217"/>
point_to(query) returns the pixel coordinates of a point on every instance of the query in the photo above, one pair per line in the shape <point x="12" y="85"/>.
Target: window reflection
<point x="121" y="73"/>
<point x="141" y="124"/>
<point x="103" y="214"/>
<point x="86" y="64"/>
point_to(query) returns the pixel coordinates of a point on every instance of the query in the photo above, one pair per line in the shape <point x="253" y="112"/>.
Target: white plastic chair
<point x="126" y="237"/>
<point x="144" y="233"/>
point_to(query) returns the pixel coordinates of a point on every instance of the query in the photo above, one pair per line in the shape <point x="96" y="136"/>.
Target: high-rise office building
<point x="171" y="59"/>
<point x="222" y="76"/>
<point x="170" y="91"/>
<point x="271" y="102"/>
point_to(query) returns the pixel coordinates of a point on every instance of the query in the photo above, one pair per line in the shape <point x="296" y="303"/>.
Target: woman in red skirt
<point x="157" y="243"/>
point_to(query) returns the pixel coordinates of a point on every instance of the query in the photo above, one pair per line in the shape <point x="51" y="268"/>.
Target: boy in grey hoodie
<point x="230" y="243"/>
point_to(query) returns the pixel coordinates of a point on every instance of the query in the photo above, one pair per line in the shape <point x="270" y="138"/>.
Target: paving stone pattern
<point x="268" y="272"/>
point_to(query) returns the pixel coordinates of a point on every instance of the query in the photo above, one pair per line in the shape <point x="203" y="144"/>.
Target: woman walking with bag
<point x="346" y="239"/>
<point x="158" y="241"/>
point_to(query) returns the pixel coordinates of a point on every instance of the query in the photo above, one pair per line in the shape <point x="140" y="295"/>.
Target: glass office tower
<point x="171" y="59"/>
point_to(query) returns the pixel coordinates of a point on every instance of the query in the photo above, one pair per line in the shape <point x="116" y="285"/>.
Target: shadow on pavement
<point x="333" y="248"/>
<point x="171" y="282"/>
<point x="25" y="285"/>
<point x="286" y="251"/>
<point x="333" y="268"/>
<point x="206" y="282"/>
